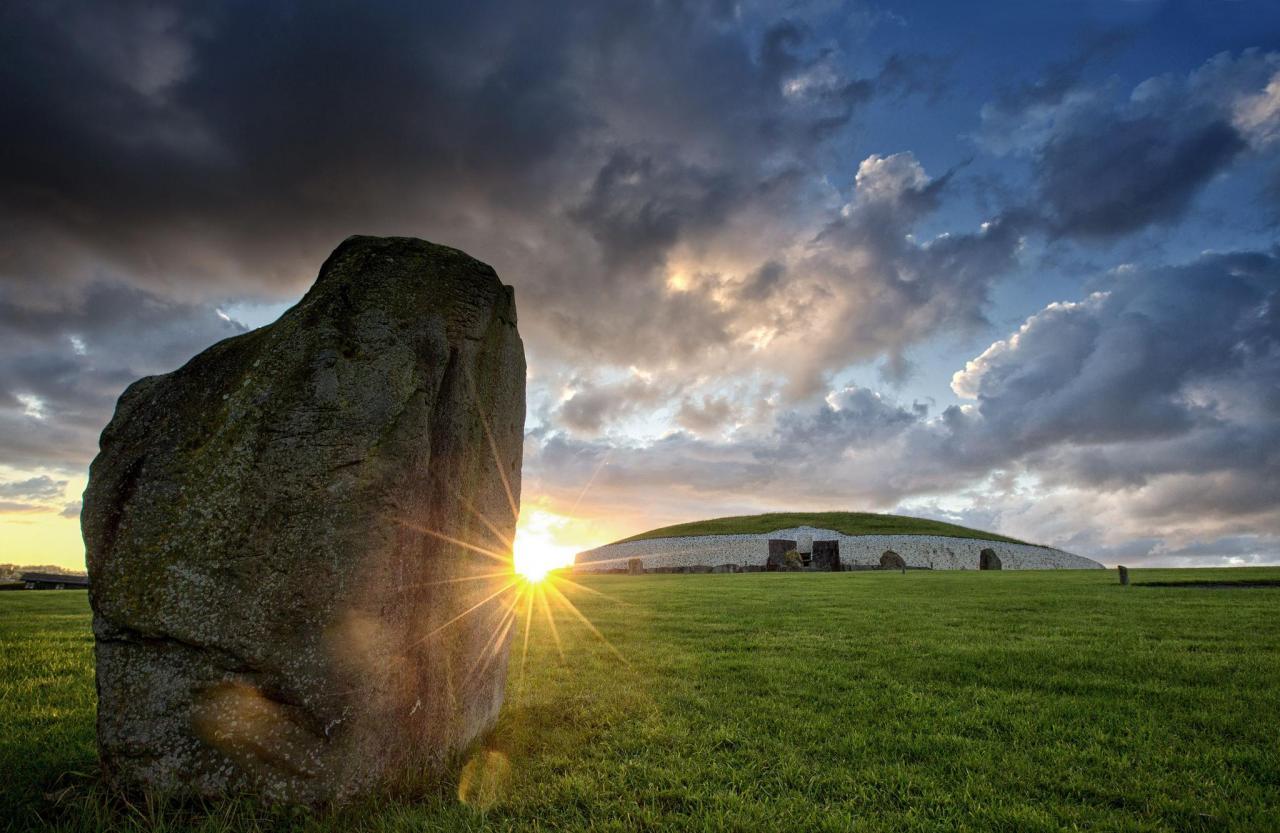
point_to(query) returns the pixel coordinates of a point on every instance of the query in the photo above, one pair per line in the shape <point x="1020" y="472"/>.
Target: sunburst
<point x="528" y="572"/>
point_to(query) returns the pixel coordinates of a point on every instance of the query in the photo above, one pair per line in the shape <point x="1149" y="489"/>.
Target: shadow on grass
<point x="80" y="801"/>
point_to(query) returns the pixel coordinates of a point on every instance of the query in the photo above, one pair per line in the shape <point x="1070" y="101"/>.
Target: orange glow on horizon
<point x="538" y="548"/>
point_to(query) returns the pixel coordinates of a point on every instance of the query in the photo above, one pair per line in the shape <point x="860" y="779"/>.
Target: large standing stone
<point x="778" y="549"/>
<point x="298" y="540"/>
<point x="826" y="555"/>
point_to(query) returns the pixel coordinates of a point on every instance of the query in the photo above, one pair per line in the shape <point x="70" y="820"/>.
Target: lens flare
<point x="534" y="554"/>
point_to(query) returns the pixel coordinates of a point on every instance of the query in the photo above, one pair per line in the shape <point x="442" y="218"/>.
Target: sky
<point x="1012" y="265"/>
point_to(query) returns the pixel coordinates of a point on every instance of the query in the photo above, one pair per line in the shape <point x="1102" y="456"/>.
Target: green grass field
<point x="983" y="701"/>
<point x="850" y="523"/>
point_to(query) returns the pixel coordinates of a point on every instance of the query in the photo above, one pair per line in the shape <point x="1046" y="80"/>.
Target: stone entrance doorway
<point x="826" y="555"/>
<point x="778" y="549"/>
<point x="988" y="560"/>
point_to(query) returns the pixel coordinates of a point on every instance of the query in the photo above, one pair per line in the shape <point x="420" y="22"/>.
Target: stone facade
<point x="936" y="552"/>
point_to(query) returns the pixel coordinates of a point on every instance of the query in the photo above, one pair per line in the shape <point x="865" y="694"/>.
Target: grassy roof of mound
<point x="850" y="523"/>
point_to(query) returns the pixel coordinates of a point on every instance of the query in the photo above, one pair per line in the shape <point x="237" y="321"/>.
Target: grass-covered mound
<point x="850" y="523"/>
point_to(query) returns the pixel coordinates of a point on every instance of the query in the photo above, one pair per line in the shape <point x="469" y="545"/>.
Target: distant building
<point x="55" y="581"/>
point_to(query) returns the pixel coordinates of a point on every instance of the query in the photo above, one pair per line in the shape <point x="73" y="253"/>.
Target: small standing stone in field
<point x="295" y="539"/>
<point x="1124" y="575"/>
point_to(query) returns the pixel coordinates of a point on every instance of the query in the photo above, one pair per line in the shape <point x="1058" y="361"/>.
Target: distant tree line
<point x="12" y="572"/>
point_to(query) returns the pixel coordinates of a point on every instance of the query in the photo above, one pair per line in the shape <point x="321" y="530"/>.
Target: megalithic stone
<point x="1124" y="575"/>
<point x="778" y="549"/>
<point x="298" y="540"/>
<point x="826" y="555"/>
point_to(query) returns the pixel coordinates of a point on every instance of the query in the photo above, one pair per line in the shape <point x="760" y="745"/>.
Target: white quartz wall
<point x="939" y="552"/>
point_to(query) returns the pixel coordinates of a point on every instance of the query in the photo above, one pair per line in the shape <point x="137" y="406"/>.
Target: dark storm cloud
<point x="1162" y="391"/>
<point x="1159" y="354"/>
<point x="1141" y="422"/>
<point x="160" y="142"/>
<point x="1105" y="168"/>
<point x="320" y="119"/>
<point x="852" y="418"/>
<point x="1106" y="180"/>
<point x="201" y="154"/>
<point x="856" y="287"/>
<point x="657" y="180"/>
<point x="891" y="289"/>
<point x="592" y="406"/>
<point x="63" y="367"/>
<point x="763" y="282"/>
<point x="639" y="206"/>
<point x="204" y="152"/>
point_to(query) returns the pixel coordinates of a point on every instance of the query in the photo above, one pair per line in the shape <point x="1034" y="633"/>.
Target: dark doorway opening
<point x="988" y="560"/>
<point x="826" y="555"/>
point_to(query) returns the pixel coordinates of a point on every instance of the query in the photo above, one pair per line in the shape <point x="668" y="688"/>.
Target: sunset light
<point x="535" y="552"/>
<point x="780" y="415"/>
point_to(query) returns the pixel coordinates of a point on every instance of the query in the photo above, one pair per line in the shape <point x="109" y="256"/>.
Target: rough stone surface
<point x="272" y="535"/>
<point x="890" y="560"/>
<point x="776" y="557"/>
<point x="826" y="555"/>
<point x="938" y="552"/>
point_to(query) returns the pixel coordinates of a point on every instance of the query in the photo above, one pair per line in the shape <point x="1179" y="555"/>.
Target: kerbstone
<point x="284" y="538"/>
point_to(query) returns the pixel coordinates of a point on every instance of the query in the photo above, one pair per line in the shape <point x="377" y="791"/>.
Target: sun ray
<point x="490" y="649"/>
<point x="574" y="610"/>
<point x="629" y="557"/>
<point x="497" y="556"/>
<point x="475" y="606"/>
<point x="480" y="577"/>
<point x="490" y="525"/>
<point x="551" y="621"/>
<point x="572" y="583"/>
<point x="592" y="479"/>
<point x="528" y="623"/>
<point x="493" y="447"/>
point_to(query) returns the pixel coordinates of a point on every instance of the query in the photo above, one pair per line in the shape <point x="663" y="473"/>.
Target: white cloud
<point x="887" y="178"/>
<point x="32" y="405"/>
<point x="1258" y="116"/>
<point x="966" y="383"/>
